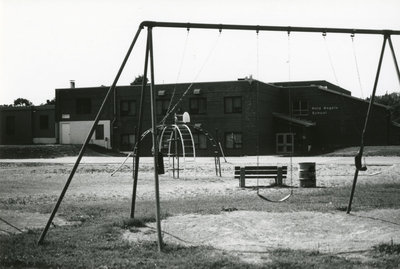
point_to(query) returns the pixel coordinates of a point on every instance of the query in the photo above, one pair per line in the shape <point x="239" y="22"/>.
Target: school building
<point x="27" y="125"/>
<point x="248" y="117"/>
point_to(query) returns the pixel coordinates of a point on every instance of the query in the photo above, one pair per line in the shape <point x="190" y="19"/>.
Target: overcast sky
<point x="46" y="43"/>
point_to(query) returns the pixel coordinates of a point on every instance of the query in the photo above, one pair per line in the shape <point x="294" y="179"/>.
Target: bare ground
<point x="247" y="233"/>
<point x="252" y="234"/>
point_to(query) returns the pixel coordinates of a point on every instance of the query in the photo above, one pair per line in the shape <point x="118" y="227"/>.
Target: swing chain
<point x="291" y="155"/>
<point x="195" y="78"/>
<point x="178" y="76"/>
<point x="289" y="58"/>
<point x="356" y="64"/>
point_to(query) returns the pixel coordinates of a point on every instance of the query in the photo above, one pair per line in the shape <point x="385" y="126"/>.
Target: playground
<point x="201" y="209"/>
<point x="203" y="217"/>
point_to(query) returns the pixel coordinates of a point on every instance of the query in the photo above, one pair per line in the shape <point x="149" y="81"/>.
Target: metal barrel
<point x="307" y="175"/>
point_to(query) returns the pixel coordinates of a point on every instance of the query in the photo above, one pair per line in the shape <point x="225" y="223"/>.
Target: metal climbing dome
<point x="176" y="141"/>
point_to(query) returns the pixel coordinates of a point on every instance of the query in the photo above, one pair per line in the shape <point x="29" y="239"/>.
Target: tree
<point x="22" y="102"/>
<point x="139" y="80"/>
<point x="49" y="102"/>
<point x="392" y="100"/>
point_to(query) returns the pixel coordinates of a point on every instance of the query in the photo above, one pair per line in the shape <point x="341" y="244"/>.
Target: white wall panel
<point x="80" y="129"/>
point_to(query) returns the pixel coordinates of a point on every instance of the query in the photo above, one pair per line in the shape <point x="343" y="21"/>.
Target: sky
<point x="46" y="43"/>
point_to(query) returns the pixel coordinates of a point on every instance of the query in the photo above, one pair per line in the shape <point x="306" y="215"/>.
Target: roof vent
<point x="72" y="84"/>
<point x="247" y="78"/>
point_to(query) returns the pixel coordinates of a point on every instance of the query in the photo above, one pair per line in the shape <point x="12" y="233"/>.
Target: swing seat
<point x="358" y="163"/>
<point x="275" y="201"/>
<point x="260" y="172"/>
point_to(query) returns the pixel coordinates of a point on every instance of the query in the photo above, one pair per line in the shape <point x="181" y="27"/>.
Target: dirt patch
<point x="253" y="234"/>
<point x="24" y="221"/>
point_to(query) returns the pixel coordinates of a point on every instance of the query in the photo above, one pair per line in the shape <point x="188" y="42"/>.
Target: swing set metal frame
<point x="149" y="57"/>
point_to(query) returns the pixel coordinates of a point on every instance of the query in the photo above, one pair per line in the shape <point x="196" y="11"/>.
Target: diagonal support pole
<point x="371" y="102"/>
<point x="136" y="150"/>
<point x="394" y="57"/>
<point x="90" y="134"/>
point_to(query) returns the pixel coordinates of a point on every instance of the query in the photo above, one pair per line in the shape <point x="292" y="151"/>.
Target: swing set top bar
<point x="257" y="28"/>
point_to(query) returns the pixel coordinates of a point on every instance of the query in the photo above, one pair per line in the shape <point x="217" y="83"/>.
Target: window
<point x="233" y="140"/>
<point x="200" y="141"/>
<point x="99" y="131"/>
<point x="83" y="106"/>
<point x="300" y="108"/>
<point x="44" y="122"/>
<point x="10" y="125"/>
<point x="233" y="104"/>
<point x="162" y="106"/>
<point x="127" y="140"/>
<point x="198" y="105"/>
<point x="128" y="108"/>
<point x="284" y="143"/>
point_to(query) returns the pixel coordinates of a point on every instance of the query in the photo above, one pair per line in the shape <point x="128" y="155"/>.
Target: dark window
<point x="233" y="104"/>
<point x="200" y="141"/>
<point x="128" y="108"/>
<point x="198" y="105"/>
<point x="300" y="108"/>
<point x="83" y="106"/>
<point x="284" y="143"/>
<point x="233" y="140"/>
<point x="44" y="122"/>
<point x="162" y="106"/>
<point x="99" y="131"/>
<point x="10" y="125"/>
<point x="127" y="140"/>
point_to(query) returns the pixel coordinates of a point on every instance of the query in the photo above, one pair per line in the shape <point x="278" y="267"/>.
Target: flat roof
<point x="314" y="84"/>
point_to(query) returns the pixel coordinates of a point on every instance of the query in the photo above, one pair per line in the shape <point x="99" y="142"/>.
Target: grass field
<point x="208" y="222"/>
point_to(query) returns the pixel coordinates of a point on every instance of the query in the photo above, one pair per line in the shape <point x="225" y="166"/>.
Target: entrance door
<point x="284" y="143"/>
<point x="65" y="133"/>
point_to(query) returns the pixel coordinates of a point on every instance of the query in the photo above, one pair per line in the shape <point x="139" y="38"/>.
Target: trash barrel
<point x="307" y="175"/>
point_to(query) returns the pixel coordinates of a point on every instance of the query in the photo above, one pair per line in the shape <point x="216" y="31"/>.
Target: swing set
<point x="149" y="64"/>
